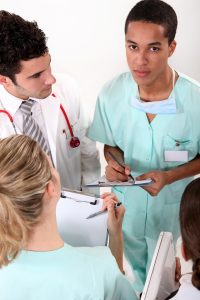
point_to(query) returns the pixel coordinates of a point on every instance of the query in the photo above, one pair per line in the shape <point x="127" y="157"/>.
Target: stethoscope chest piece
<point x="74" y="142"/>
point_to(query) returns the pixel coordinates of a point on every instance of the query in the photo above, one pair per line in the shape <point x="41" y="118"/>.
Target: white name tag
<point x="176" y="155"/>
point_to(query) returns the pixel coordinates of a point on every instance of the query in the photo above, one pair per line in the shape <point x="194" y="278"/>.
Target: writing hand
<point x="115" y="213"/>
<point x="115" y="172"/>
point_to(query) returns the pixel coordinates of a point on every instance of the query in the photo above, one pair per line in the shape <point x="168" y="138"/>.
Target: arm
<point x="115" y="218"/>
<point x="162" y="178"/>
<point x="114" y="172"/>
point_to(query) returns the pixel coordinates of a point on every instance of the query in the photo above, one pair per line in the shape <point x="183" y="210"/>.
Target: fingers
<point x="153" y="191"/>
<point x="115" y="214"/>
<point x="115" y="172"/>
<point x="109" y="199"/>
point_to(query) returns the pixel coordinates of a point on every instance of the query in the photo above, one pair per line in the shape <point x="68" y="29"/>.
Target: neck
<point x="159" y="89"/>
<point x="45" y="236"/>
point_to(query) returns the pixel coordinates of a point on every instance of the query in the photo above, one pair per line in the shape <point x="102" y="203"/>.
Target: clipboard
<point x="103" y="182"/>
<point x="160" y="281"/>
<point x="71" y="214"/>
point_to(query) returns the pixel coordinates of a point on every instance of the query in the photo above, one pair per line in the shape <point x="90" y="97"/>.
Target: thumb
<point x="127" y="170"/>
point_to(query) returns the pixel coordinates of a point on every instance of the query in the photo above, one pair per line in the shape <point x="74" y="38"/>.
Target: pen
<point x="120" y="163"/>
<point x="102" y="211"/>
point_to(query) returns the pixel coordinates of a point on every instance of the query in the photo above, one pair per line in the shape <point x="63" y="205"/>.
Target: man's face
<point x="147" y="51"/>
<point x="35" y="79"/>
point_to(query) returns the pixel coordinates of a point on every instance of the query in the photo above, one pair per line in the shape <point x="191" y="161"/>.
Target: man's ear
<point x="172" y="47"/>
<point x="184" y="252"/>
<point x="4" y="80"/>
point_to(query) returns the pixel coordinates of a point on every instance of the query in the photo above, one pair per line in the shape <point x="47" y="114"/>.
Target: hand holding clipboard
<point x="103" y="182"/>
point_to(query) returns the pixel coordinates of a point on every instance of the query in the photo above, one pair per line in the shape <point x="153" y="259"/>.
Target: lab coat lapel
<point x="50" y="109"/>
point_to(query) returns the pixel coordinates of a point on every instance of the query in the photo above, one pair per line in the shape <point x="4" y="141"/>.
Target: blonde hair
<point x="24" y="174"/>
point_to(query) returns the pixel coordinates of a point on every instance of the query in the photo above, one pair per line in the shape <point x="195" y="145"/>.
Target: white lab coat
<point x="76" y="166"/>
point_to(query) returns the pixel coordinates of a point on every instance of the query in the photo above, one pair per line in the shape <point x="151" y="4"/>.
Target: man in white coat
<point x="47" y="108"/>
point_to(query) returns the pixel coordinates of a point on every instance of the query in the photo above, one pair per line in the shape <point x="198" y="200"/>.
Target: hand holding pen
<point x="115" y="213"/>
<point x="117" y="170"/>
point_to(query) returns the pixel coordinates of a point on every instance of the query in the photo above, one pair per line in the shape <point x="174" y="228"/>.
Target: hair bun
<point x="196" y="274"/>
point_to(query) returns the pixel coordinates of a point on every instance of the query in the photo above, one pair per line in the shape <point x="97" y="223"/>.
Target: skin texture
<point x="35" y="79"/>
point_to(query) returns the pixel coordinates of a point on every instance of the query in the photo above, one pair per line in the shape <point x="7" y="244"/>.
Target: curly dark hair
<point x="19" y="40"/>
<point x="157" y="12"/>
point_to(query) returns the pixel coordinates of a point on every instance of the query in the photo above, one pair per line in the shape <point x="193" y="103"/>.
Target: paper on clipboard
<point x="103" y="182"/>
<point x="74" y="228"/>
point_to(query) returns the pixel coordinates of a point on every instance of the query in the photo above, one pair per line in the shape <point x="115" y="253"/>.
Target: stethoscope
<point x="74" y="142"/>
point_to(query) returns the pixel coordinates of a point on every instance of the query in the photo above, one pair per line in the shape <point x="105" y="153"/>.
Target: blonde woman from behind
<point x="34" y="261"/>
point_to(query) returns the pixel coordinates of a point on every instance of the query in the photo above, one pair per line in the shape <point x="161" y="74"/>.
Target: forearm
<point x="118" y="153"/>
<point x="189" y="169"/>
<point x="116" y="247"/>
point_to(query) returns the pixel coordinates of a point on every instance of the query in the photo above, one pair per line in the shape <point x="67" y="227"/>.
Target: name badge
<point x="170" y="155"/>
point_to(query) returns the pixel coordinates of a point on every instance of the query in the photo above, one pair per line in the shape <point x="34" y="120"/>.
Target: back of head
<point x="19" y="40"/>
<point x="190" y="226"/>
<point x="157" y="12"/>
<point x="24" y="174"/>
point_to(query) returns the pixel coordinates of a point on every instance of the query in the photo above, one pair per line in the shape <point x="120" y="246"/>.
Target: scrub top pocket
<point x="177" y="151"/>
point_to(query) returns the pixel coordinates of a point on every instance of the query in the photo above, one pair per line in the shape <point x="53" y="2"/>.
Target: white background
<point x="86" y="37"/>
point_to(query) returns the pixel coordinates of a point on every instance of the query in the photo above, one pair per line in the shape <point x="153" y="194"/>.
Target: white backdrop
<point x="86" y="37"/>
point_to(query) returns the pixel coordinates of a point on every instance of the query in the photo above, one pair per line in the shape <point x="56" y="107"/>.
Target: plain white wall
<point x="86" y="38"/>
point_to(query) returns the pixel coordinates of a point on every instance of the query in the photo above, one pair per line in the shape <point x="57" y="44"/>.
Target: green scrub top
<point x="67" y="273"/>
<point x="117" y="123"/>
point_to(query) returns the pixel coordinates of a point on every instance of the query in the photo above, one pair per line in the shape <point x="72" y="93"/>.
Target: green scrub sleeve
<point x="100" y="129"/>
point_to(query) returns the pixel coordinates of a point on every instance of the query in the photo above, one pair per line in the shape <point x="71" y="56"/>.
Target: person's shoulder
<point x="118" y="82"/>
<point x="64" y="80"/>
<point x="66" y="89"/>
<point x="189" y="82"/>
<point x="98" y="253"/>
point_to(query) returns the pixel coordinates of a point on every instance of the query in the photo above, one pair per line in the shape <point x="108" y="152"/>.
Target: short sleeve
<point x="100" y="129"/>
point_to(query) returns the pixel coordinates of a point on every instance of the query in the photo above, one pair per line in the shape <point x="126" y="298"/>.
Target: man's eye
<point x="154" y="49"/>
<point x="132" y="47"/>
<point x="36" y="75"/>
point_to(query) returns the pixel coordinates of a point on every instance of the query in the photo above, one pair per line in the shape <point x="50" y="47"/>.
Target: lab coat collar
<point x="9" y="102"/>
<point x="50" y="109"/>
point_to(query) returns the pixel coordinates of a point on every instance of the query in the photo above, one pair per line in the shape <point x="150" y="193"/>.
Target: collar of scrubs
<point x="166" y="106"/>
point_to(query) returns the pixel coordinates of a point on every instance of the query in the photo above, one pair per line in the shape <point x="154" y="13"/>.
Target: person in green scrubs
<point x="149" y="119"/>
<point x="34" y="261"/>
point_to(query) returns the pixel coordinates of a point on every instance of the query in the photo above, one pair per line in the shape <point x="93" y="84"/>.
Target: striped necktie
<point x="30" y="126"/>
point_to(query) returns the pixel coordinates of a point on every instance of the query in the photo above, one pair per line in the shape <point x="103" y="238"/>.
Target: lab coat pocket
<point x="78" y="134"/>
<point x="177" y="151"/>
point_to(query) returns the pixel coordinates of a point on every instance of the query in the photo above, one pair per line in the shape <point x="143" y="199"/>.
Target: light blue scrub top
<point x="117" y="123"/>
<point x="67" y="273"/>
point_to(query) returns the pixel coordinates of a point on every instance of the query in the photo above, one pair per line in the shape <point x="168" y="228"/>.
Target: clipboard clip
<point x="94" y="202"/>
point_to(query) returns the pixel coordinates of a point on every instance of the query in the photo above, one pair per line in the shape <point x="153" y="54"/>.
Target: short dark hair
<point x="157" y="12"/>
<point x="19" y="40"/>
<point x="190" y="224"/>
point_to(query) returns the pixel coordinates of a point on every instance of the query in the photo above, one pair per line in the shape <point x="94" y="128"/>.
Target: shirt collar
<point x="10" y="103"/>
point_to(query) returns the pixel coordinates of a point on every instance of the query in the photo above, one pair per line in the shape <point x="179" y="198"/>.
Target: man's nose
<point x="141" y="58"/>
<point x="50" y="79"/>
